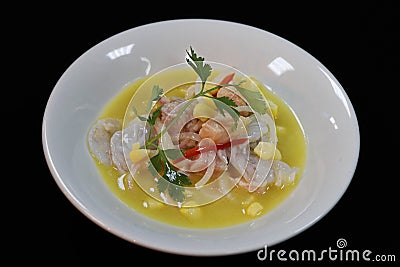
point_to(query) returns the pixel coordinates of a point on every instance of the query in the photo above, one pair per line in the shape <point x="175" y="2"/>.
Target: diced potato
<point x="254" y="209"/>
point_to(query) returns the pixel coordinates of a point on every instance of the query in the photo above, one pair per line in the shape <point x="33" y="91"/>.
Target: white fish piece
<point x="284" y="174"/>
<point x="99" y="137"/>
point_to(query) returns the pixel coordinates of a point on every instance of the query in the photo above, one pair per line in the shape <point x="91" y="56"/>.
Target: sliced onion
<point x="206" y="177"/>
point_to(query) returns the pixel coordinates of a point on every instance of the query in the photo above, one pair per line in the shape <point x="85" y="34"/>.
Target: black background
<point x="356" y="43"/>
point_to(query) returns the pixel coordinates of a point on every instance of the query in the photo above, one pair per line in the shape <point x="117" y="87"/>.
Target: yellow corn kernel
<point x="136" y="153"/>
<point x="205" y="109"/>
<point x="135" y="146"/>
<point x="254" y="209"/>
<point x="265" y="150"/>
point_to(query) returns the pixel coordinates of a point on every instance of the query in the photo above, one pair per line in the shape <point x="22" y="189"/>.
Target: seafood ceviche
<point x="191" y="147"/>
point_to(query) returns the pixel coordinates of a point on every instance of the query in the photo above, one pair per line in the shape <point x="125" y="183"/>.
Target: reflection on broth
<point x="202" y="149"/>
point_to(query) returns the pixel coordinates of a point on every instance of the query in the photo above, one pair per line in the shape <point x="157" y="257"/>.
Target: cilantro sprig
<point x="223" y="104"/>
<point x="177" y="180"/>
<point x="197" y="63"/>
<point x="254" y="98"/>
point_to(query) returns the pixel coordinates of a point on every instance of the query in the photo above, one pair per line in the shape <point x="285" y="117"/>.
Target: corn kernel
<point x="205" y="109"/>
<point x="265" y="150"/>
<point x="135" y="146"/>
<point x="254" y="209"/>
<point x="136" y="153"/>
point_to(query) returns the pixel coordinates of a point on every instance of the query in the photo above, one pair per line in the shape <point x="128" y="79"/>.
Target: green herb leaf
<point x="197" y="63"/>
<point x="153" y="117"/>
<point x="162" y="185"/>
<point x="175" y="177"/>
<point x="176" y="192"/>
<point x="254" y="99"/>
<point x="137" y="115"/>
<point x="227" y="101"/>
<point x="156" y="164"/>
<point x="155" y="96"/>
<point x="222" y="107"/>
<point x="173" y="153"/>
<point x="160" y="166"/>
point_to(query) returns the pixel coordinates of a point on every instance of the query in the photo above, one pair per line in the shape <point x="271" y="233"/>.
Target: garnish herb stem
<point x="155" y="138"/>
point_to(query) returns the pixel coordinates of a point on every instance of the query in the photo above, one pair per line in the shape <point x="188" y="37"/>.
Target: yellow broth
<point x="230" y="209"/>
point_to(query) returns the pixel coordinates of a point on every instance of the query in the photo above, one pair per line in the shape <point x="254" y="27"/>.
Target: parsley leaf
<point x="197" y="63"/>
<point x="226" y="100"/>
<point x="176" y="192"/>
<point x="153" y="117"/>
<point x="255" y="99"/>
<point x="226" y="104"/>
<point x="137" y="115"/>
<point x="173" y="153"/>
<point x="160" y="166"/>
<point x="156" y="93"/>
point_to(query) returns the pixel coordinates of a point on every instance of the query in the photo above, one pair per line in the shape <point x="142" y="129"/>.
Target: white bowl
<point x="326" y="113"/>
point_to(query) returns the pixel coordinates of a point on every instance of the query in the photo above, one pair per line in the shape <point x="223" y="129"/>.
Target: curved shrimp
<point x="215" y="131"/>
<point x="202" y="162"/>
<point x="121" y="143"/>
<point x="99" y="139"/>
<point x="258" y="173"/>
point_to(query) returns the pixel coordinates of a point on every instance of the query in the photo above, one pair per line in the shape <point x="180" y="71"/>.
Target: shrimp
<point x="99" y="139"/>
<point x="169" y="112"/>
<point x="117" y="152"/>
<point x="258" y="173"/>
<point x="230" y="93"/>
<point x="202" y="162"/>
<point x="122" y="141"/>
<point x="215" y="131"/>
